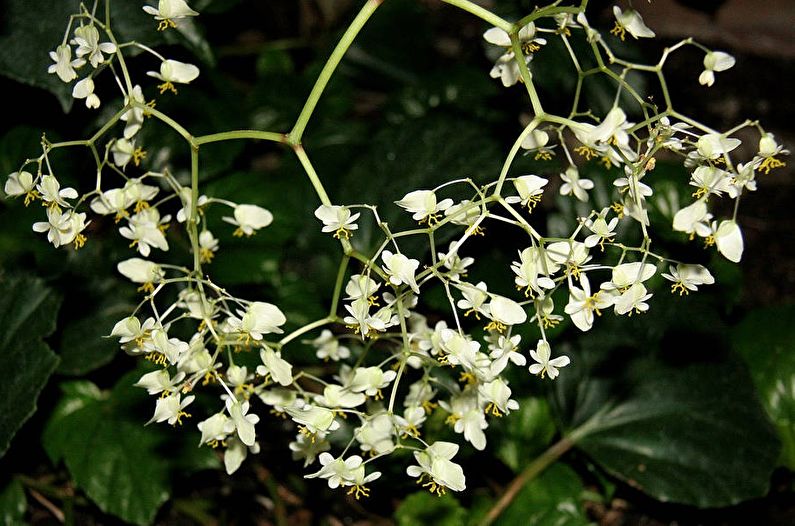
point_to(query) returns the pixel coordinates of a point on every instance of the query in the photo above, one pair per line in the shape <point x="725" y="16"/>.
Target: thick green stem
<point x="530" y="472"/>
<point x="294" y="137"/>
<point x="481" y="13"/>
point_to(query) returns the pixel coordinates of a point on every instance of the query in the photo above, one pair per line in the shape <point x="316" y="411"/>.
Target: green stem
<point x="481" y="13"/>
<point x="240" y="134"/>
<point x="335" y="299"/>
<point x="312" y="174"/>
<point x="193" y="220"/>
<point x="529" y="473"/>
<point x="294" y="137"/>
<point x="159" y="115"/>
<point x="306" y="328"/>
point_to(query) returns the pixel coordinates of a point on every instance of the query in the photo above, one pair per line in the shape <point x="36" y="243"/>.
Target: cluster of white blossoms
<point x="394" y="361"/>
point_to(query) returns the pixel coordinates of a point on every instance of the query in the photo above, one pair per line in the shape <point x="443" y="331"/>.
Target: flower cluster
<point x="395" y="362"/>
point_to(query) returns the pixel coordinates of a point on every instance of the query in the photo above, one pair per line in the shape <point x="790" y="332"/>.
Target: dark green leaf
<point x="766" y="339"/>
<point x="125" y="468"/>
<point x="27" y="314"/>
<point x="426" y="508"/>
<point x="12" y="504"/>
<point x="32" y="28"/>
<point x="552" y="499"/>
<point x="84" y="344"/>
<point x="686" y="432"/>
<point x="525" y="433"/>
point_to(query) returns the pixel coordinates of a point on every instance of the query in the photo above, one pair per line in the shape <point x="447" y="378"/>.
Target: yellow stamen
<point x="147" y="287"/>
<point x="680" y="287"/>
<point x="619" y="31"/>
<point x="167" y="86"/>
<point x="342" y="232"/>
<point x="138" y="155"/>
<point x="165" y="24"/>
<point x="359" y="491"/>
<point x="31" y="196"/>
<point x="544" y="154"/>
<point x="180" y="416"/>
<point x="468" y="378"/>
<point x="206" y="255"/>
<point x="493" y="409"/>
<point x="495" y="325"/>
<point x="80" y="241"/>
<point x="618" y="208"/>
<point x="429" y="406"/>
<point x="141" y="205"/>
<point x="586" y="151"/>
<point x="768" y="164"/>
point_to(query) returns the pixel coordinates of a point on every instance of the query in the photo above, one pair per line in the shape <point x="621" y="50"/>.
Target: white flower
<point x="533" y="270"/>
<point x="140" y="270"/>
<point x="693" y="219"/>
<point x="21" y="183"/>
<point x="729" y="240"/>
<point x="348" y="472"/>
<point x="400" y="269"/>
<point x="327" y="347"/>
<point x="186" y="196"/>
<point x="370" y="380"/>
<point x="88" y="45"/>
<point x="277" y="367"/>
<point x="505" y="68"/>
<point x="583" y="305"/>
<point x="113" y="201"/>
<point x="84" y="89"/>
<point x="159" y="381"/>
<point x="62" y="228"/>
<point x="602" y="230"/>
<point x="144" y="229"/>
<point x="139" y="193"/>
<point x="134" y="117"/>
<point x="243" y="422"/>
<point x="236" y="453"/>
<point x="435" y="462"/>
<point x="259" y="318"/>
<point x="316" y="420"/>
<point x="249" y="219"/>
<point x="337" y="219"/>
<point x="455" y="265"/>
<point x="568" y="254"/>
<point x="497" y="395"/>
<point x="337" y="396"/>
<point x="123" y="152"/>
<point x="544" y="365"/>
<point x="714" y="61"/>
<point x="63" y="67"/>
<point x="714" y="145"/>
<point x="375" y="435"/>
<point x="465" y="213"/>
<point x="422" y="203"/>
<point x="474" y="298"/>
<point x="505" y="312"/>
<point x="361" y="286"/>
<point x="467" y="413"/>
<point x="169" y="10"/>
<point x="688" y="277"/>
<point x="710" y="180"/>
<point x="305" y="448"/>
<point x="174" y="72"/>
<point x="627" y="274"/>
<point x="630" y="21"/>
<point x="170" y="408"/>
<point x="632" y="300"/>
<point x="51" y="192"/>
<point x="503" y="350"/>
<point x="535" y="139"/>
<point x="208" y="246"/>
<point x="360" y="316"/>
<point x="171" y="349"/>
<point x="216" y="428"/>
<point x="573" y="184"/>
<point x="530" y="189"/>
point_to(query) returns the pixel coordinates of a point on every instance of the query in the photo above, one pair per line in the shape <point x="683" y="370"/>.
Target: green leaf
<point x="124" y="467"/>
<point x="554" y="498"/>
<point x="425" y="508"/>
<point x="13" y="504"/>
<point x="84" y="344"/>
<point x="686" y="432"/>
<point x="27" y="314"/>
<point x="766" y="339"/>
<point x="31" y="35"/>
<point x="525" y="433"/>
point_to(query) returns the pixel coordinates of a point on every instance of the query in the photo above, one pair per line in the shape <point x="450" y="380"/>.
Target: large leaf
<point x="125" y="468"/>
<point x="426" y="508"/>
<point x="552" y="499"/>
<point x="525" y="433"/>
<point x="85" y="345"/>
<point x="691" y="433"/>
<point x="766" y="339"/>
<point x="27" y="314"/>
